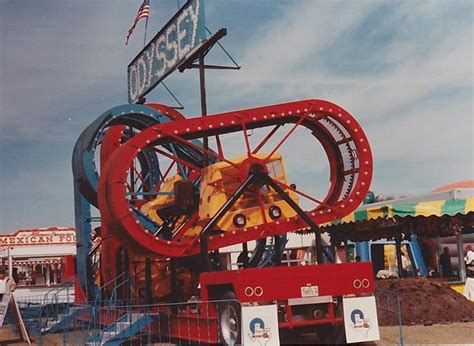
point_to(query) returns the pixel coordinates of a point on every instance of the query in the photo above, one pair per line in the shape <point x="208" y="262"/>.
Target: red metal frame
<point x="331" y="279"/>
<point x="118" y="213"/>
<point x="267" y="284"/>
<point x="334" y="280"/>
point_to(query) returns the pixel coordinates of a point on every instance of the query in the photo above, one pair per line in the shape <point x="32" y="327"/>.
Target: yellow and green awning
<point x="443" y="207"/>
<point x="432" y="218"/>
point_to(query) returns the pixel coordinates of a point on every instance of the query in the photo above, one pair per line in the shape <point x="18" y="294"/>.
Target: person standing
<point x="469" y="260"/>
<point x="469" y="285"/>
<point x="3" y="283"/>
<point x="7" y="284"/>
<point x="445" y="263"/>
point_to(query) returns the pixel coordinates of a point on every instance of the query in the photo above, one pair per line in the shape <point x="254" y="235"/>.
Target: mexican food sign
<point x="166" y="50"/>
<point x="49" y="236"/>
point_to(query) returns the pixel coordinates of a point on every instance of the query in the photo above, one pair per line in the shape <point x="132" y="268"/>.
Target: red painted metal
<point x="190" y="326"/>
<point x="329" y="123"/>
<point x="306" y="323"/>
<point x="274" y="283"/>
<point x="341" y="138"/>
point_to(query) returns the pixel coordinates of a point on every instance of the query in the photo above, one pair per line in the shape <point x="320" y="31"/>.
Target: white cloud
<point x="416" y="106"/>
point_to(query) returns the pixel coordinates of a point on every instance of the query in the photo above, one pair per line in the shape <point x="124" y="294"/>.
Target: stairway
<point x="63" y="319"/>
<point x="118" y="332"/>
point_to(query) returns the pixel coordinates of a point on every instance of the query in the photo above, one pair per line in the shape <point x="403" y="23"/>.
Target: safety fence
<point x="194" y="322"/>
<point x="388" y="302"/>
<point x="122" y="321"/>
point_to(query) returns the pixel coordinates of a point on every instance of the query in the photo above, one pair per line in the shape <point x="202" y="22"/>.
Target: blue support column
<point x="362" y="250"/>
<point x="420" y="262"/>
<point x="82" y="213"/>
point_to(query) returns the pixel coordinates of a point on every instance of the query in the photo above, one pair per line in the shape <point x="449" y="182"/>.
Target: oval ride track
<point x="343" y="140"/>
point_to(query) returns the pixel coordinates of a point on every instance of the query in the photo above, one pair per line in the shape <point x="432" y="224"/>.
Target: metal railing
<point x="128" y="322"/>
<point x="56" y="305"/>
<point x="389" y="302"/>
<point x="114" y="320"/>
<point x="31" y="308"/>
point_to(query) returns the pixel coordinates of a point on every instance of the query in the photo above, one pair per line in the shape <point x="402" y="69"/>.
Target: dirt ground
<point x="453" y="333"/>
<point x="8" y="337"/>
<point x="423" y="302"/>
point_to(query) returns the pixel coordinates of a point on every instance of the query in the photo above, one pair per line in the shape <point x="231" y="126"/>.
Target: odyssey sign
<point x="166" y="50"/>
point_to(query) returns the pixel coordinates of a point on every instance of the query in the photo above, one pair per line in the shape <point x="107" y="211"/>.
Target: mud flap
<point x="360" y="319"/>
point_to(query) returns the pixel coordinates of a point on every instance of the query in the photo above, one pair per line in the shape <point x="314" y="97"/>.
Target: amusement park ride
<point x="168" y="202"/>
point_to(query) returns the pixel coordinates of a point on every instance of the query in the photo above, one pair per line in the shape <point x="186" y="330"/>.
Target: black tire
<point x="229" y="320"/>
<point x="332" y="335"/>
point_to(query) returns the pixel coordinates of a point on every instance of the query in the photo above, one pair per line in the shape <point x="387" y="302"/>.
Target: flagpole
<point x="144" y="38"/>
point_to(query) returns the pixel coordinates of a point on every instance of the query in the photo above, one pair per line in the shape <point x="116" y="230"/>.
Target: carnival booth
<point x="417" y="228"/>
<point x="39" y="260"/>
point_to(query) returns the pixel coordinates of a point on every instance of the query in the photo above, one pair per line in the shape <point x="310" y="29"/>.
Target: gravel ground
<point x="453" y="333"/>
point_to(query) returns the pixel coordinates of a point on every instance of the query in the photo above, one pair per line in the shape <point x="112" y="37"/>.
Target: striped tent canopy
<point x="429" y="215"/>
<point x="438" y="208"/>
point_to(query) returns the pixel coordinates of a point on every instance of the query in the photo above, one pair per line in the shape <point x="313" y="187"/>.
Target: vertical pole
<point x="132" y="172"/>
<point x="128" y="286"/>
<point x="202" y="85"/>
<point x="398" y="245"/>
<point x="420" y="262"/>
<point x="462" y="265"/>
<point x="245" y="251"/>
<point x="174" y="285"/>
<point x="48" y="275"/>
<point x="10" y="262"/>
<point x="362" y="250"/>
<point x="400" y="319"/>
<point x="82" y="215"/>
<point x="148" y="290"/>
<point x="277" y="247"/>
<point x="55" y="276"/>
<point x="146" y="27"/>
<point x="205" y="265"/>
<point x="317" y="245"/>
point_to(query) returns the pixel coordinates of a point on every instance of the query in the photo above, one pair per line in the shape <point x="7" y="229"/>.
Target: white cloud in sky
<point x="404" y="69"/>
<point x="418" y="108"/>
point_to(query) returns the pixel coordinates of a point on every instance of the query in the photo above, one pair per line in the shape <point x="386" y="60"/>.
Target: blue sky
<point x="404" y="69"/>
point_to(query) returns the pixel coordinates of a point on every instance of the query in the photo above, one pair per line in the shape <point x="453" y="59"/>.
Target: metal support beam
<point x="245" y="252"/>
<point x="202" y="85"/>
<point x="277" y="254"/>
<point x="462" y="264"/>
<point x="301" y="213"/>
<point x="82" y="210"/>
<point x="398" y="246"/>
<point x="215" y="219"/>
<point x="148" y="281"/>
<point x="214" y="67"/>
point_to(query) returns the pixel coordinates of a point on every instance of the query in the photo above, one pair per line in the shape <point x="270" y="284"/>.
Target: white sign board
<point x="260" y="325"/>
<point x="360" y="319"/>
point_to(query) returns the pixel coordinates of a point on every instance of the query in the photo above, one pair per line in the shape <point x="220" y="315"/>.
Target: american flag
<point x="143" y="12"/>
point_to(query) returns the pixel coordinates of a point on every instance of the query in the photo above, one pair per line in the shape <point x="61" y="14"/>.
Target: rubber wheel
<point x="332" y="335"/>
<point x="229" y="320"/>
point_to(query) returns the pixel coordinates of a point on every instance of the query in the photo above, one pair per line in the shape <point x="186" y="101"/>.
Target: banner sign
<point x="360" y="319"/>
<point x="39" y="237"/>
<point x="260" y="325"/>
<point x="166" y="50"/>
